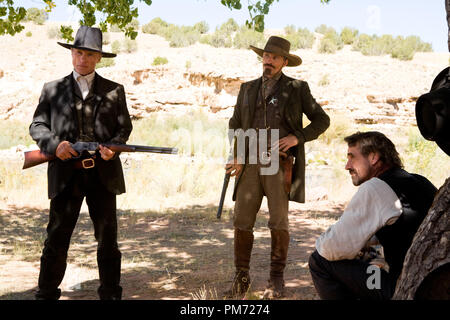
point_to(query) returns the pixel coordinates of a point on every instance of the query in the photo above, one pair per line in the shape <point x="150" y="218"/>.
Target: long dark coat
<point x="55" y="120"/>
<point x="295" y="100"/>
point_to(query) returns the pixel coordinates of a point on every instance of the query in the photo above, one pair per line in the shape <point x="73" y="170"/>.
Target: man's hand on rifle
<point x="64" y="151"/>
<point x="234" y="168"/>
<point x="107" y="154"/>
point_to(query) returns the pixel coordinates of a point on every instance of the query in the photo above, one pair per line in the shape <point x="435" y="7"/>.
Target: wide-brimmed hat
<point x="88" y="38"/>
<point x="433" y="112"/>
<point x="281" y="47"/>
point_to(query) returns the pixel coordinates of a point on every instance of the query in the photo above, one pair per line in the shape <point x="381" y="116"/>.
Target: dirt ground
<point x="177" y="254"/>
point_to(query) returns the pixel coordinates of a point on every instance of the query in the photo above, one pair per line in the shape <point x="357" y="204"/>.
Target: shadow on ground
<point x="177" y="254"/>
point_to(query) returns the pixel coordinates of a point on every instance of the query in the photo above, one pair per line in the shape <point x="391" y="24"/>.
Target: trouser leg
<point x="349" y="279"/>
<point x="64" y="212"/>
<point x="102" y="210"/>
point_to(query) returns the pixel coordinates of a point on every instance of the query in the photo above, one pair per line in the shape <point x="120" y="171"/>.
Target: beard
<point x="268" y="70"/>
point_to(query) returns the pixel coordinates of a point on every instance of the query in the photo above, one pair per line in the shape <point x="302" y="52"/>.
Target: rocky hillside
<point x="369" y="90"/>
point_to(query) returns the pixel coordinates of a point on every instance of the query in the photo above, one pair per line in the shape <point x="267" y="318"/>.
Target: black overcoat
<point x="55" y="120"/>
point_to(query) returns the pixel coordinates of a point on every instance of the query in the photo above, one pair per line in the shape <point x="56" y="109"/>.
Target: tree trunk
<point x="426" y="270"/>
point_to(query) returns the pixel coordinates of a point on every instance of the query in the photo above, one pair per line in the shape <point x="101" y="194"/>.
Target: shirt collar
<point x="89" y="77"/>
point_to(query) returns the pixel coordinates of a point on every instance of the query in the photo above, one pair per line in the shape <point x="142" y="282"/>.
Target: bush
<point x="38" y="16"/>
<point x="403" y="49"/>
<point x="201" y="27"/>
<point x="348" y="35"/>
<point x="54" y="32"/>
<point x="29" y="34"/>
<point x="105" y="62"/>
<point x="331" y="42"/>
<point x="116" y="46"/>
<point x="229" y="27"/>
<point x="300" y="39"/>
<point x="218" y="39"/>
<point x="129" y="45"/>
<point x="159" y="61"/>
<point x="246" y="37"/>
<point x="183" y="37"/>
<point x="134" y="24"/>
<point x="155" y="26"/>
<point x="324" y="29"/>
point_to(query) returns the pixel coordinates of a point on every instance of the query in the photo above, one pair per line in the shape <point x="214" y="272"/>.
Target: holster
<point x="287" y="163"/>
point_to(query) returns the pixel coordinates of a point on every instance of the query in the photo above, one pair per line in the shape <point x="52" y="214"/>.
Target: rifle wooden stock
<point x="36" y="157"/>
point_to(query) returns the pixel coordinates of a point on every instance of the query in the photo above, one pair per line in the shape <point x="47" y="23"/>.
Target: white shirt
<point x="84" y="82"/>
<point x="373" y="206"/>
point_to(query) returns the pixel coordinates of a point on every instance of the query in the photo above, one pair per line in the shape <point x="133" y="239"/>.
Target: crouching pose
<point x="389" y="205"/>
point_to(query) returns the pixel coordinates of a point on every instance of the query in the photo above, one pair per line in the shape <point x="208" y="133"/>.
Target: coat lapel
<point x="98" y="93"/>
<point x="285" y="91"/>
<point x="252" y="95"/>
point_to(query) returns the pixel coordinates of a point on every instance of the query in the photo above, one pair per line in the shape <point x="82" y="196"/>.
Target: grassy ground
<point x="173" y="246"/>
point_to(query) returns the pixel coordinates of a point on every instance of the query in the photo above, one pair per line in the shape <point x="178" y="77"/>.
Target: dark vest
<point x="85" y="114"/>
<point x="416" y="194"/>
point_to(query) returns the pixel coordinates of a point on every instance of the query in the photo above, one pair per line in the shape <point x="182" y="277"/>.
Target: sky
<point x="423" y="18"/>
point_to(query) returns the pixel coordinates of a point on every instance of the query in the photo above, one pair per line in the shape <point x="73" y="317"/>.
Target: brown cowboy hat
<point x="281" y="47"/>
<point x="90" y="39"/>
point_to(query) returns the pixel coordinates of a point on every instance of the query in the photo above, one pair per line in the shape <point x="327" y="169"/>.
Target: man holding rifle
<point x="272" y="106"/>
<point x="82" y="106"/>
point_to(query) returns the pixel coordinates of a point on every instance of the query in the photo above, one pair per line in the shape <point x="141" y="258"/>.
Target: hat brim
<point x="293" y="60"/>
<point x="70" y="46"/>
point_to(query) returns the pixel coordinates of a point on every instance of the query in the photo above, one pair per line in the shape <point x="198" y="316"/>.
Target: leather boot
<point x="243" y="244"/>
<point x="278" y="259"/>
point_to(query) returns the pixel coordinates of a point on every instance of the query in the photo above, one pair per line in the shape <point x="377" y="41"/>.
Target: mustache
<point x="269" y="65"/>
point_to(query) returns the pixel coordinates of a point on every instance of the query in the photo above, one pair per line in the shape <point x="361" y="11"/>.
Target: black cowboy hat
<point x="433" y="112"/>
<point x="281" y="47"/>
<point x="88" y="38"/>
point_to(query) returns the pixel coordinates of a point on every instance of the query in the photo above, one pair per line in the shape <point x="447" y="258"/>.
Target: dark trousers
<point x="64" y="212"/>
<point x="349" y="279"/>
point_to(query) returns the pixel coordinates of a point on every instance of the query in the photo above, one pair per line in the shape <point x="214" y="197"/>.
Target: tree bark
<point x="426" y="270"/>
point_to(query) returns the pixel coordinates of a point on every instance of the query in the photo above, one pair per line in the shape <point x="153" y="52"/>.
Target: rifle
<point x="36" y="157"/>
<point x="222" y="196"/>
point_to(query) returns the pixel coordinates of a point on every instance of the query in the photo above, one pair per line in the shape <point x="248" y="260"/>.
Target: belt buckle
<point x="88" y="163"/>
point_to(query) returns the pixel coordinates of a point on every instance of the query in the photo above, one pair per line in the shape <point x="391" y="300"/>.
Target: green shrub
<point x="218" y="39"/>
<point x="38" y="16"/>
<point x="361" y="42"/>
<point x="324" y="29"/>
<point x="348" y="35"/>
<point x="327" y="46"/>
<point x="402" y="49"/>
<point x="289" y="29"/>
<point x="183" y="38"/>
<point x="160" y="61"/>
<point x="14" y="132"/>
<point x="29" y="34"/>
<point x="246" y="37"/>
<point x="54" y="32"/>
<point x="201" y="27"/>
<point x="229" y="27"/>
<point x="330" y="43"/>
<point x="129" y="45"/>
<point x="134" y="24"/>
<point x="105" y="62"/>
<point x="116" y="46"/>
<point x="324" y="81"/>
<point x="300" y="39"/>
<point x="155" y="26"/>
<point x="378" y="45"/>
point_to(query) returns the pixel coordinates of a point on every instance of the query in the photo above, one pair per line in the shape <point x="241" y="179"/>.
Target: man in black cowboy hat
<point x="275" y="103"/>
<point x="82" y="106"/>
